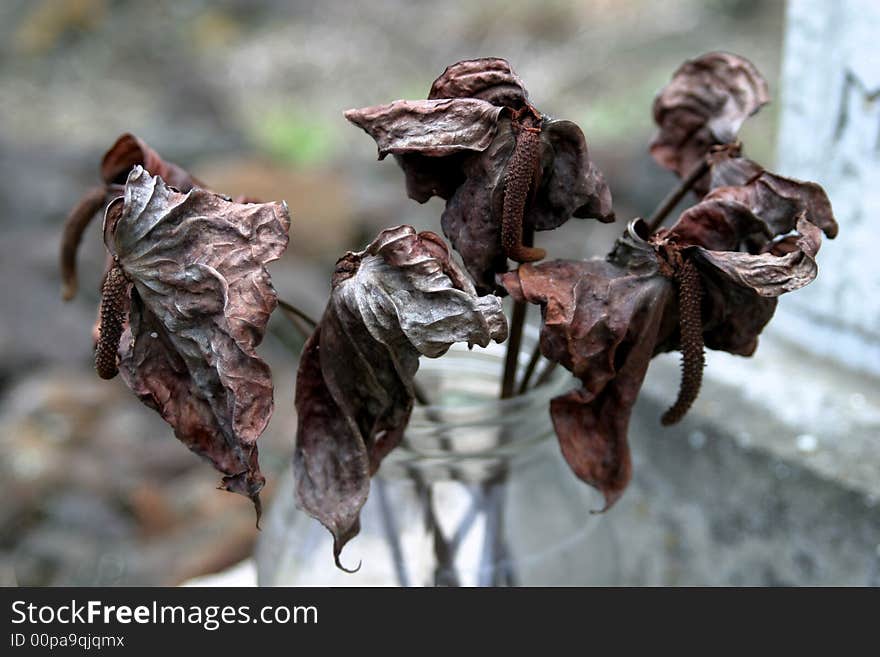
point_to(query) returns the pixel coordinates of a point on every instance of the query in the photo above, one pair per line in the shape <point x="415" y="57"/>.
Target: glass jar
<point x="477" y="494"/>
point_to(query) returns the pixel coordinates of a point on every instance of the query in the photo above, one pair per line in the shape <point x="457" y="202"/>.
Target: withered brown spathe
<point x="601" y="321"/>
<point x="200" y="298"/>
<point x="772" y="197"/>
<point x="704" y="105"/>
<point x="401" y="298"/>
<point x="127" y="152"/>
<point x="504" y="169"/>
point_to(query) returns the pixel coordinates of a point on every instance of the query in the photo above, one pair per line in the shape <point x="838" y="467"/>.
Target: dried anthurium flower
<point x="601" y="321"/>
<point x="704" y="105"/>
<point x="401" y="298"/>
<point x="189" y="275"/>
<point x="710" y="280"/>
<point x="127" y="152"/>
<point x="504" y="169"/>
<point x="734" y="253"/>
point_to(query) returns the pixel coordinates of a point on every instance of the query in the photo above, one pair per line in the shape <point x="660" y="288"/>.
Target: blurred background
<point x="248" y="96"/>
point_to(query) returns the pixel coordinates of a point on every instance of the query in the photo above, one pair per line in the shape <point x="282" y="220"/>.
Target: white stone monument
<point x="830" y="133"/>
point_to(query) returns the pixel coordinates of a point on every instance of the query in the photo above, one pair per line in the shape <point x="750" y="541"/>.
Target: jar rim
<point x="468" y="383"/>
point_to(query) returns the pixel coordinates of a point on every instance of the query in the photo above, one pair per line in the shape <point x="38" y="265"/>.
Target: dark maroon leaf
<point x="401" y="298"/>
<point x="200" y="301"/>
<point x="704" y="105"/>
<point x="777" y="200"/>
<point x="601" y="322"/>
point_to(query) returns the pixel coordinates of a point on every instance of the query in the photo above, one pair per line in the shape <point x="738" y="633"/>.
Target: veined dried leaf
<point x="200" y="301"/>
<point x="602" y="321"/>
<point x="704" y="105"/>
<point x="489" y="78"/>
<point x="777" y="200"/>
<point x="432" y="128"/>
<point x="401" y="298"/>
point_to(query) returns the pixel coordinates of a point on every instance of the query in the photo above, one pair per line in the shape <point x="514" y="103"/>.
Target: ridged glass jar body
<point x="478" y="494"/>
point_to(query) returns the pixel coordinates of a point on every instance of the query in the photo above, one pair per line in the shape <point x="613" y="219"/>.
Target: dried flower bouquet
<point x="186" y="295"/>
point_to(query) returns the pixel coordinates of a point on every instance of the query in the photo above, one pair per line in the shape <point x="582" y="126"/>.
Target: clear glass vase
<point x="478" y="494"/>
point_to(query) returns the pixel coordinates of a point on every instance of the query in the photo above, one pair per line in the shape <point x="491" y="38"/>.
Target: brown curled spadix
<point x="690" y="295"/>
<point x="74" y="227"/>
<point x="520" y="177"/>
<point x="113" y="293"/>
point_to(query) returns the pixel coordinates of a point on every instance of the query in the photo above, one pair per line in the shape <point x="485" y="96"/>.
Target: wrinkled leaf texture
<point x="401" y="298"/>
<point x="200" y="301"/>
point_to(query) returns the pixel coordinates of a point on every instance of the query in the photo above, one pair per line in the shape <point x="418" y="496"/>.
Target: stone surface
<point x="791" y="404"/>
<point x="830" y="132"/>
<point x="705" y="509"/>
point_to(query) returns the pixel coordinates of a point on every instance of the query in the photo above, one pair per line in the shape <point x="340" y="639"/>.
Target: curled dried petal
<point x="129" y="151"/>
<point x="431" y="128"/>
<point x="777" y="200"/>
<point x="400" y="298"/>
<point x="601" y="322"/>
<point x="200" y="301"/>
<point x="572" y="185"/>
<point x="770" y="275"/>
<point x="719" y="223"/>
<point x="490" y="78"/>
<point x="704" y="104"/>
